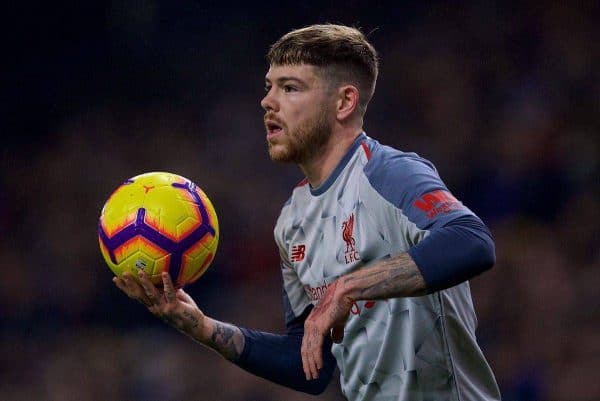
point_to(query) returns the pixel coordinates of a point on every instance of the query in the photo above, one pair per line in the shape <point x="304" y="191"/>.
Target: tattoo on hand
<point x="192" y="320"/>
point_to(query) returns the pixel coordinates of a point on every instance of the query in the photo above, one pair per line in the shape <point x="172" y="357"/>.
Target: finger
<point x="123" y="284"/>
<point x="149" y="289"/>
<point x="181" y="295"/>
<point x="337" y="334"/>
<point x="304" y="354"/>
<point x="169" y="289"/>
<point x="308" y="341"/>
<point x="315" y="353"/>
<point x="308" y="357"/>
<point x="131" y="286"/>
<point x="120" y="284"/>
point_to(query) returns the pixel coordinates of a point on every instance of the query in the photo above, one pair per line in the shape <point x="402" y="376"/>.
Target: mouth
<point x="273" y="128"/>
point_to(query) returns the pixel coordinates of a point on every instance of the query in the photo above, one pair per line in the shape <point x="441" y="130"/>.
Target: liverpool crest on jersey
<point x="350" y="254"/>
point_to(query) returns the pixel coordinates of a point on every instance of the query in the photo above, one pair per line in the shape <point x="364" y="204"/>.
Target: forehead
<point x="302" y="72"/>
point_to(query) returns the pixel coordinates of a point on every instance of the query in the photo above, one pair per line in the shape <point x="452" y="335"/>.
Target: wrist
<point x="347" y="290"/>
<point x="203" y="332"/>
<point x="206" y="330"/>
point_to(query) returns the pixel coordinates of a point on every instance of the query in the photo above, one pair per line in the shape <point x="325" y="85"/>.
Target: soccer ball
<point x="159" y="222"/>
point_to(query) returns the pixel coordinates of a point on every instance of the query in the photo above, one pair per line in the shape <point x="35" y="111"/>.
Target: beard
<point x="303" y="143"/>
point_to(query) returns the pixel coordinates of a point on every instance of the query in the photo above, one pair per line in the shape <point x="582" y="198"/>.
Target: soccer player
<point x="375" y="250"/>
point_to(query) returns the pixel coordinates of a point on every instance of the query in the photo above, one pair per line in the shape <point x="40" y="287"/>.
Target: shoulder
<point x="383" y="158"/>
<point x="412" y="184"/>
<point x="398" y="175"/>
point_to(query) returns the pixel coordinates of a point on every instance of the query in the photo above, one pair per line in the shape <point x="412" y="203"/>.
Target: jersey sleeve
<point x="277" y="357"/>
<point x="450" y="243"/>
<point x="412" y="184"/>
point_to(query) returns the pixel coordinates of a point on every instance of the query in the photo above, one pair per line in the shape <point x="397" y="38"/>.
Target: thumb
<point x="337" y="333"/>
<point x="184" y="297"/>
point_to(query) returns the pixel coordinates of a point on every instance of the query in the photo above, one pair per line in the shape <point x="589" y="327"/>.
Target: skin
<point x="178" y="309"/>
<point x="318" y="123"/>
<point x="297" y="94"/>
<point x="395" y="277"/>
<point x="299" y="99"/>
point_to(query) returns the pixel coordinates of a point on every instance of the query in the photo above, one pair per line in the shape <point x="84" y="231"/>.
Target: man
<point x="375" y="251"/>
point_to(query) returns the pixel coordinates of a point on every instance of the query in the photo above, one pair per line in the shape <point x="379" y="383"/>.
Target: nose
<point x="269" y="103"/>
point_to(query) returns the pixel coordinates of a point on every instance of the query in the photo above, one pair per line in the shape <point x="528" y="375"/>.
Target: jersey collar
<point x="338" y="169"/>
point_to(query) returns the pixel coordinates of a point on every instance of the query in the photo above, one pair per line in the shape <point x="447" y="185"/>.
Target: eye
<point x="267" y="88"/>
<point x="289" y="88"/>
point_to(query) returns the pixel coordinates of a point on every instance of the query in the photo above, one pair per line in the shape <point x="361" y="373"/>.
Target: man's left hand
<point x="327" y="318"/>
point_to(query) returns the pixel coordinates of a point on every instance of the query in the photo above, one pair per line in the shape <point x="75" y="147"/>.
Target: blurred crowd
<point x="504" y="98"/>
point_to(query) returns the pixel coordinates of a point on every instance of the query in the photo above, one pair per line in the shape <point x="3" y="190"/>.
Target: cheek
<point x="300" y="112"/>
<point x="303" y="115"/>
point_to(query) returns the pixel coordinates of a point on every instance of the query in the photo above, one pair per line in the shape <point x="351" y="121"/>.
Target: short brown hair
<point x="343" y="53"/>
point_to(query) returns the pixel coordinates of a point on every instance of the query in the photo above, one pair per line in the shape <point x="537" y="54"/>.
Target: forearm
<point x="397" y="276"/>
<point x="270" y="356"/>
<point x="448" y="256"/>
<point x="277" y="358"/>
<point x="454" y="253"/>
<point x="224" y="338"/>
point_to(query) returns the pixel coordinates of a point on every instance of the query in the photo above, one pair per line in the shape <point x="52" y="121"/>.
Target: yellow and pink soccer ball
<point x="159" y="222"/>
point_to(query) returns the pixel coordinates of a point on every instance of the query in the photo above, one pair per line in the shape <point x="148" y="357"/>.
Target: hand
<point x="327" y="318"/>
<point x="175" y="307"/>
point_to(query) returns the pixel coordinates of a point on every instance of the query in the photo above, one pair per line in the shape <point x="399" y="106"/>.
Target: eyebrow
<point x="280" y="80"/>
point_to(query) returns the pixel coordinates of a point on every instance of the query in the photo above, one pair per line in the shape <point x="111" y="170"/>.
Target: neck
<point x="320" y="167"/>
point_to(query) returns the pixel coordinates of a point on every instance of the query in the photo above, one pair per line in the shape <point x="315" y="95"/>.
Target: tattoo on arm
<point x="397" y="276"/>
<point x="227" y="340"/>
<point x="193" y="320"/>
<point x="183" y="322"/>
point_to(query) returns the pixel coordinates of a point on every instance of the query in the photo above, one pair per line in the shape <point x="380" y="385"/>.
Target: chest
<point x="333" y="235"/>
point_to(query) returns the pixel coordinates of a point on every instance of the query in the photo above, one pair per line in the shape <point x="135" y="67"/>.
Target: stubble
<point x="303" y="143"/>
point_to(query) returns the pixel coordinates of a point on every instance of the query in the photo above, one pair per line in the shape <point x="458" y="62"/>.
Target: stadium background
<point x="502" y="96"/>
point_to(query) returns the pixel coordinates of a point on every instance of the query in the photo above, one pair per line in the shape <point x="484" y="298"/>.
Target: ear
<point x="347" y="102"/>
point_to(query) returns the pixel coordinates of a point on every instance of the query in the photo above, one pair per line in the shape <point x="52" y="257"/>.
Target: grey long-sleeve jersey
<point x="380" y="202"/>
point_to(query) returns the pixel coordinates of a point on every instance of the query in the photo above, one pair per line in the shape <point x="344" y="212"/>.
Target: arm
<point x="277" y="357"/>
<point x="178" y="309"/>
<point x="397" y="276"/>
<point x="450" y="255"/>
<point x="273" y="357"/>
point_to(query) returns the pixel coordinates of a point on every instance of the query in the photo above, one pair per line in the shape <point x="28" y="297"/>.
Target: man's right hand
<point x="179" y="310"/>
<point x="173" y="306"/>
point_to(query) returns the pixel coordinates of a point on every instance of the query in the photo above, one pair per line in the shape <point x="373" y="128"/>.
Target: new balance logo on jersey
<point x="298" y="252"/>
<point x="437" y="202"/>
<point x="350" y="254"/>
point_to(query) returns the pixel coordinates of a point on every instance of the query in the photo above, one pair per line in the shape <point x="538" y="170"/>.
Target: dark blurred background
<point x="504" y="97"/>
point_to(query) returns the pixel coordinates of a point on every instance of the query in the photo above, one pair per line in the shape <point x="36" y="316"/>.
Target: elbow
<point x="486" y="251"/>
